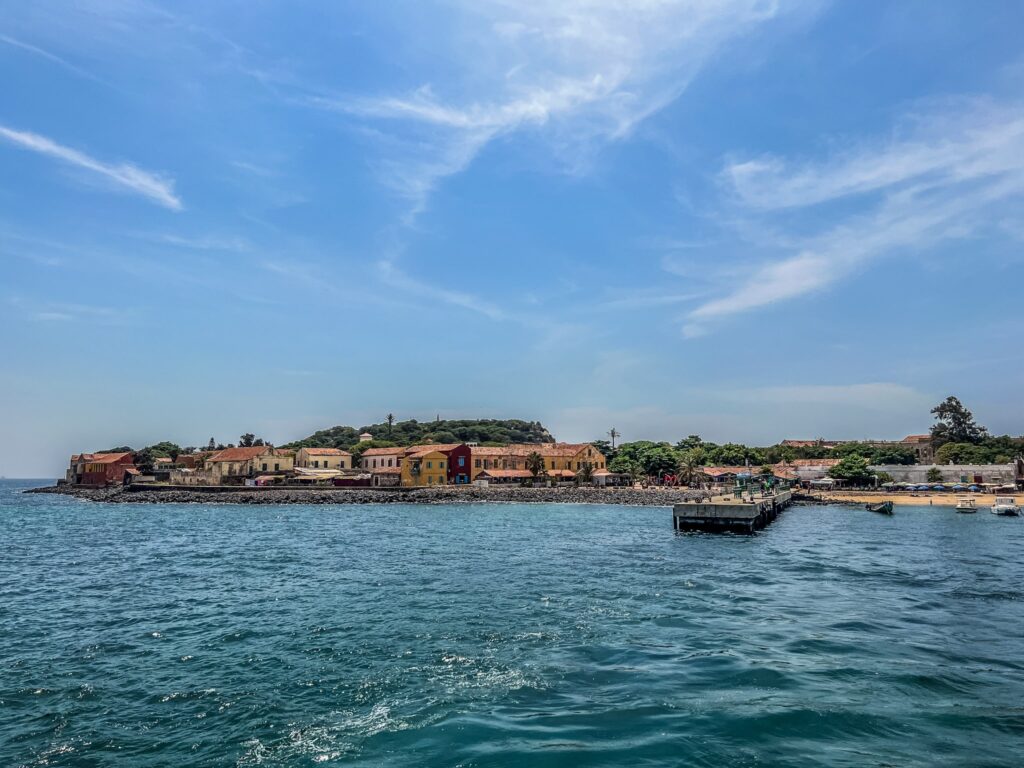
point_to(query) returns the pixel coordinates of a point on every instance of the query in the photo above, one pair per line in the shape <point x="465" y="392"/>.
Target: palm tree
<point x="614" y="433"/>
<point x="535" y="464"/>
<point x="689" y="468"/>
<point x="391" y="423"/>
<point x="586" y="473"/>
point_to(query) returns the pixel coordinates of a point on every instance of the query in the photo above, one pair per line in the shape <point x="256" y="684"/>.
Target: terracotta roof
<point x="506" y="473"/>
<point x="442" y="447"/>
<point x="394" y="450"/>
<point x="162" y="460"/>
<point x="385" y="471"/>
<point x="106" y="458"/>
<point x="240" y="454"/>
<point x="525" y="449"/>
<point x="326" y="452"/>
<point x="716" y="471"/>
<point x="561" y="473"/>
<point x="916" y="439"/>
<point x="425" y="450"/>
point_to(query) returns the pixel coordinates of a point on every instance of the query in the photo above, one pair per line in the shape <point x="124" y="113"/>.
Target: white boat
<point x="1006" y="506"/>
<point x="965" y="504"/>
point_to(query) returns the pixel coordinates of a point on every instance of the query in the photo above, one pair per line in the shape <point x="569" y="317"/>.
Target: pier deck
<point x="728" y="513"/>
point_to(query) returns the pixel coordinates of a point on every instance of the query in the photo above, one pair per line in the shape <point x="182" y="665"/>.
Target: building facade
<point x="323" y="458"/>
<point x="233" y="466"/>
<point x="425" y="468"/>
<point x="101" y="469"/>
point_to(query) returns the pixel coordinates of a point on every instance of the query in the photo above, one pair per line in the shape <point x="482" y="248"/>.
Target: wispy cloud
<point x="585" y="72"/>
<point x="60" y="312"/>
<point x="51" y="57"/>
<point x="392" y="275"/>
<point x="125" y="176"/>
<point x="953" y="180"/>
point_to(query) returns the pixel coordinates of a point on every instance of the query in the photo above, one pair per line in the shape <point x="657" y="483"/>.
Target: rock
<point x="662" y="497"/>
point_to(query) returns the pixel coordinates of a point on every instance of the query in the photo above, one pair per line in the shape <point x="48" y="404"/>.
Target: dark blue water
<point x="505" y="635"/>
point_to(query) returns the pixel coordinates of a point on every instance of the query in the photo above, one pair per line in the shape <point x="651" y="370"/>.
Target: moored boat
<point x="1006" y="506"/>
<point x="965" y="504"/>
<point x="882" y="507"/>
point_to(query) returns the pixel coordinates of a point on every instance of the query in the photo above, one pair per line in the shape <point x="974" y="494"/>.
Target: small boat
<point x="882" y="507"/>
<point x="1006" y="506"/>
<point x="965" y="504"/>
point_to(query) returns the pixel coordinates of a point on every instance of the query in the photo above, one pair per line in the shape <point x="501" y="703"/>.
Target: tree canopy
<point x="413" y="432"/>
<point x="954" y="423"/>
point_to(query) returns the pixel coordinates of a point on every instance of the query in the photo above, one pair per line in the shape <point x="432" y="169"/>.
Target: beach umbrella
<point x="973" y="488"/>
<point x="958" y="487"/>
<point x="921" y="488"/>
<point x="938" y="487"/>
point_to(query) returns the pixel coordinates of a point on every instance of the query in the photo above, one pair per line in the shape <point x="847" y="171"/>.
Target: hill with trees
<point x="413" y="432"/>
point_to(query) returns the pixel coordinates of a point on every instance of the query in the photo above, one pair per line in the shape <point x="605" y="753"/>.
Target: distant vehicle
<point x="965" y="504"/>
<point x="1006" y="506"/>
<point x="882" y="507"/>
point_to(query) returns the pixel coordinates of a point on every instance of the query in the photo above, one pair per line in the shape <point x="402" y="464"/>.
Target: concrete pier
<point x="729" y="513"/>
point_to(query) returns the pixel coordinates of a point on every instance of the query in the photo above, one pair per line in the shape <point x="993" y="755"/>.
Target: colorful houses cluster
<point x="407" y="466"/>
<point x="459" y="464"/>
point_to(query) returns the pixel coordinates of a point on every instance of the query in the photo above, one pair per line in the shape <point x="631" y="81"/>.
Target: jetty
<point x="735" y="512"/>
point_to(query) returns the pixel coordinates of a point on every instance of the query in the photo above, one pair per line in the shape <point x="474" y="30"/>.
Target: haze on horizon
<point x="747" y="220"/>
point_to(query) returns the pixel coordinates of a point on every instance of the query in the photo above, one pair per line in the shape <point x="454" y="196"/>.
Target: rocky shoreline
<point x="657" y="497"/>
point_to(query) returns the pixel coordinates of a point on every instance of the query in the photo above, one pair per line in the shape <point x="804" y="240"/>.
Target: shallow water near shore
<point x="504" y="635"/>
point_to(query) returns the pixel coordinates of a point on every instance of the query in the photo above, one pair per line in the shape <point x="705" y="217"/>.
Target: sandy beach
<point x="981" y="500"/>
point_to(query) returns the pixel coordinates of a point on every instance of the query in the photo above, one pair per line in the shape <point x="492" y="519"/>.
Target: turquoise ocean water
<point x="505" y="635"/>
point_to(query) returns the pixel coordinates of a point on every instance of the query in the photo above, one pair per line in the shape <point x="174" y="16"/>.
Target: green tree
<point x="934" y="475"/>
<point x="212" y="445"/>
<point x="659" y="460"/>
<point x="391" y="424"/>
<point x="246" y="440"/>
<point x="586" y="473"/>
<point x="955" y="424"/>
<point x="689" y="467"/>
<point x="853" y="469"/>
<point x="535" y="465"/>
<point x="144" y="460"/>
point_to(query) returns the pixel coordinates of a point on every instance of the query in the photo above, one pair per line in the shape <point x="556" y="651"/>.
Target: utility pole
<point x="614" y="433"/>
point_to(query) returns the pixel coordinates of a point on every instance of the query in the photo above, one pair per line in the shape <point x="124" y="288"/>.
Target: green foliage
<point x="688" y="469"/>
<point x="991" y="450"/>
<point x="144" y="460"/>
<point x="649" y="457"/>
<point x="955" y="424"/>
<point x="888" y="454"/>
<point x="586" y="473"/>
<point x="933" y="475"/>
<point x="535" y="464"/>
<point x="853" y="469"/>
<point x="165" y="450"/>
<point x="884" y="477"/>
<point x="119" y="449"/>
<point x="412" y="432"/>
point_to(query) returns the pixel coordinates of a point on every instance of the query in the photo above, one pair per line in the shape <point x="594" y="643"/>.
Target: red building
<point x="459" y="460"/>
<point x="105" y="468"/>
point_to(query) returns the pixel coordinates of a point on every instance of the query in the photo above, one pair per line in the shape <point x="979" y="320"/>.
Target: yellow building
<point x="427" y="467"/>
<point x="561" y="460"/>
<point x="233" y="466"/>
<point x="323" y="458"/>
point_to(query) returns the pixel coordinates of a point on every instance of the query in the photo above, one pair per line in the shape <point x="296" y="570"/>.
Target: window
<point x="462" y="461"/>
<point x="316" y="464"/>
<point x="264" y="467"/>
<point x="374" y="463"/>
<point x="478" y="463"/>
<point x="440" y="465"/>
<point x="277" y="467"/>
<point x="430" y="465"/>
<point x="389" y="462"/>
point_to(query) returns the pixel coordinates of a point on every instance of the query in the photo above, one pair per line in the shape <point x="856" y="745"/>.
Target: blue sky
<point x="745" y="219"/>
